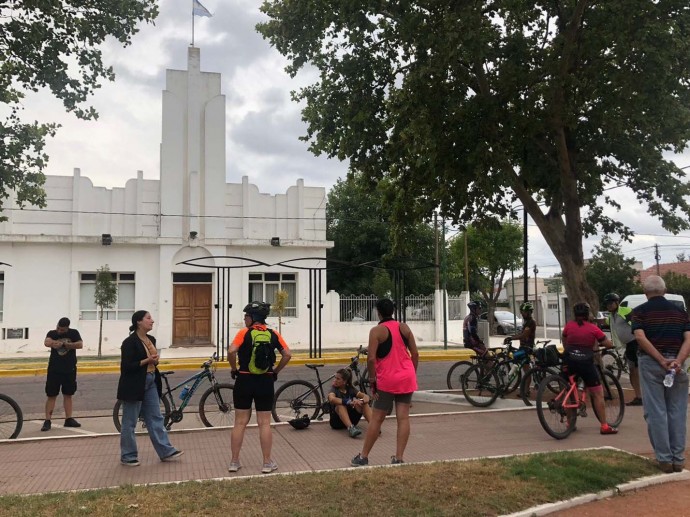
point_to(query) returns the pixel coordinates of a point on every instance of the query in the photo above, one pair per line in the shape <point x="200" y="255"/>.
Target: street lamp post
<point x="536" y="270"/>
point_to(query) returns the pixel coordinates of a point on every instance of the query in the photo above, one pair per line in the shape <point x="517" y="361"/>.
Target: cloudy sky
<point x="263" y="124"/>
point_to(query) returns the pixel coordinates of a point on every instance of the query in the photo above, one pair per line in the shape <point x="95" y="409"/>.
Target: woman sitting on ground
<point x="347" y="404"/>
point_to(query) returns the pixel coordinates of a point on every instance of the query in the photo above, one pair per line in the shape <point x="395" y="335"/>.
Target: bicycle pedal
<point x="583" y="413"/>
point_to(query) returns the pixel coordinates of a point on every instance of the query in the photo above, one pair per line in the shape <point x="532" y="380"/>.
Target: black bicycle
<point x="545" y="362"/>
<point x="299" y="397"/>
<point x="457" y="370"/>
<point x="215" y="405"/>
<point x="11" y="418"/>
<point x="614" y="362"/>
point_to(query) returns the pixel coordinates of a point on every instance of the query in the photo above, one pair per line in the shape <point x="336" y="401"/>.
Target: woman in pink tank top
<point x="392" y="362"/>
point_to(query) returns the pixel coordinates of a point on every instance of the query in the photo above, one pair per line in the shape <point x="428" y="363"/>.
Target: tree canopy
<point x="53" y="45"/>
<point x="359" y="224"/>
<point x="609" y="271"/>
<point x="474" y="106"/>
<point x="492" y="250"/>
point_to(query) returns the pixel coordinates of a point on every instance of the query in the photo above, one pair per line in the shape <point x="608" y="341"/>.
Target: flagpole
<point x="192" y="23"/>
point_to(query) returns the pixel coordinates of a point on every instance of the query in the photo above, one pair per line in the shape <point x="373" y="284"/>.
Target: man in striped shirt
<point x="662" y="331"/>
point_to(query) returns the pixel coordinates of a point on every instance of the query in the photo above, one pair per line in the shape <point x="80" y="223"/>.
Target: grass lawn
<point x="459" y="488"/>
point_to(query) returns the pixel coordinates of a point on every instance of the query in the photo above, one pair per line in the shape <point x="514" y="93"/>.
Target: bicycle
<point x="560" y="402"/>
<point x="300" y="397"/>
<point x="615" y="363"/>
<point x="11" y="418"/>
<point x="484" y="382"/>
<point x="545" y="362"/>
<point x="457" y="370"/>
<point x="215" y="405"/>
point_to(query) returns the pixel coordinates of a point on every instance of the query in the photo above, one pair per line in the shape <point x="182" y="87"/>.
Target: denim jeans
<point x="150" y="410"/>
<point x="665" y="410"/>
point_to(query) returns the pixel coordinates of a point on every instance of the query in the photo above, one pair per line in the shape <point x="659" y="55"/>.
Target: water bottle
<point x="183" y="393"/>
<point x="513" y="369"/>
<point x="670" y="376"/>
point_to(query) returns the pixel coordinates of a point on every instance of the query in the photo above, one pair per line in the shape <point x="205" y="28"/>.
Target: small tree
<point x="279" y="307"/>
<point x="105" y="296"/>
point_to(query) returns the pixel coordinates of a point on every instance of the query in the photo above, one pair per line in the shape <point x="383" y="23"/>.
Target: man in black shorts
<point x="254" y="380"/>
<point x="62" y="370"/>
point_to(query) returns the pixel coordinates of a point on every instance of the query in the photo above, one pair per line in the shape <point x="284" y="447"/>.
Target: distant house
<point x="679" y="268"/>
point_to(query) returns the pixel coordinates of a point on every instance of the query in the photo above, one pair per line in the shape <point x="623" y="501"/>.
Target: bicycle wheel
<point x="614" y="400"/>
<point x="531" y="380"/>
<point x="11" y="418"/>
<point x="480" y="385"/>
<point x="364" y="385"/>
<point x="294" y="399"/>
<point x="612" y="362"/>
<point x="141" y="425"/>
<point x="216" y="408"/>
<point x="557" y="421"/>
<point x="454" y="378"/>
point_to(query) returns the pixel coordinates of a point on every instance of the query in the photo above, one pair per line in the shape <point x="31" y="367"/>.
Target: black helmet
<point x="474" y="305"/>
<point x="581" y="309"/>
<point x="257" y="310"/>
<point x="611" y="297"/>
<point x="300" y="422"/>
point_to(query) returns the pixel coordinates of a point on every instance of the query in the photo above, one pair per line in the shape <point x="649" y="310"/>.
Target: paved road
<point x="93" y="402"/>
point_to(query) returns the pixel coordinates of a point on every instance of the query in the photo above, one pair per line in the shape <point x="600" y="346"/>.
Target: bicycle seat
<point x="163" y="374"/>
<point x="314" y="366"/>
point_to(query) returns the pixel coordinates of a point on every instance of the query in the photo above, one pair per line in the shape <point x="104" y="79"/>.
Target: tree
<point x="105" y="297"/>
<point x="471" y="106"/>
<point x="358" y="221"/>
<point x="279" y="306"/>
<point x="609" y="271"/>
<point x="678" y="284"/>
<point x="680" y="257"/>
<point x="492" y="250"/>
<point x="53" y="44"/>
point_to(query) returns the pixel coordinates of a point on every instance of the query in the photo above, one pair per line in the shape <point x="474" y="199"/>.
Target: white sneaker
<point x="269" y="467"/>
<point x="234" y="466"/>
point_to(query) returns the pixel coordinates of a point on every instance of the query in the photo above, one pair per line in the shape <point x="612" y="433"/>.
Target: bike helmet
<point x="527" y="307"/>
<point x="581" y="309"/>
<point x="474" y="305"/>
<point x="611" y="297"/>
<point x="257" y="310"/>
<point x="300" y="422"/>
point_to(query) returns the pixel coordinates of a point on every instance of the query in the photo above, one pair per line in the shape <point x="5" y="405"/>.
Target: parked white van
<point x="633" y="300"/>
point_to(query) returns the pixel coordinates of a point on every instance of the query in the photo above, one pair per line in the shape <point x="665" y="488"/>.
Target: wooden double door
<point x="192" y="314"/>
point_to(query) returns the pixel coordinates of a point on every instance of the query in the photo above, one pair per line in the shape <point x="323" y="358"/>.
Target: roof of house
<point x="680" y="268"/>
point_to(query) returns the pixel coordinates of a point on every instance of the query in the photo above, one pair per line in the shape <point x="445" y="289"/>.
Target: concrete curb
<point x="298" y="359"/>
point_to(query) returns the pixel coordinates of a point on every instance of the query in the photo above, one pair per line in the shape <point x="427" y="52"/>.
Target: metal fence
<point x="363" y="307"/>
<point x="456" y="310"/>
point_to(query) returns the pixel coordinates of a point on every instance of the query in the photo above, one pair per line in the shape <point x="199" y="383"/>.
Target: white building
<point x="154" y="225"/>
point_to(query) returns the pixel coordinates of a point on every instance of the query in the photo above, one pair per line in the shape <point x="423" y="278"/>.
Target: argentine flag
<point x="200" y="10"/>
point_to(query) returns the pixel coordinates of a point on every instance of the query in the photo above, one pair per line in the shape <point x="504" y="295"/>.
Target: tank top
<point x="395" y="373"/>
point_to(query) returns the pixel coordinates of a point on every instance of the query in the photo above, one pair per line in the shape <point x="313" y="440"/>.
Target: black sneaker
<point x="130" y="463"/>
<point x="396" y="461"/>
<point x="635" y="402"/>
<point x="46" y="426"/>
<point x="173" y="456"/>
<point x="71" y="422"/>
<point x="358" y="461"/>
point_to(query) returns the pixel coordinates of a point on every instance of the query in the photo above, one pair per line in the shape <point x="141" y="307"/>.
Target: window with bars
<point x="124" y="307"/>
<point x="265" y="286"/>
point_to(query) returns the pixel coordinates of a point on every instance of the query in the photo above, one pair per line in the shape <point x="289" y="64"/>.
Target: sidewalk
<point x="32" y="466"/>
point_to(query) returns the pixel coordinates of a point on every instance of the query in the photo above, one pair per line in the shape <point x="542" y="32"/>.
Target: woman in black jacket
<point x="140" y="391"/>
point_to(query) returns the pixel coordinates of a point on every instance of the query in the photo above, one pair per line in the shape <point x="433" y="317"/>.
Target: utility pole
<point x="467" y="267"/>
<point x="524" y="252"/>
<point x="437" y="270"/>
<point x="657" y="257"/>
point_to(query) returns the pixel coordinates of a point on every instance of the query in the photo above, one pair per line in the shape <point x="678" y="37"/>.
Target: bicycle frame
<point x="198" y="379"/>
<point x="566" y="395"/>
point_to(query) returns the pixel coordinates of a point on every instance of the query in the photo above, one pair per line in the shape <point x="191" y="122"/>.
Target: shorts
<point x="253" y="388"/>
<point x="631" y="353"/>
<point x="336" y="423"/>
<point x="57" y="381"/>
<point x="385" y="400"/>
<point x="479" y="348"/>
<point x="585" y="370"/>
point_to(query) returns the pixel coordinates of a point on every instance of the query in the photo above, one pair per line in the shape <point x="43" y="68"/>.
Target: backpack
<point x="263" y="355"/>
